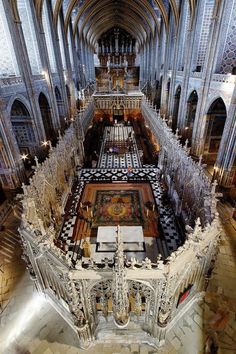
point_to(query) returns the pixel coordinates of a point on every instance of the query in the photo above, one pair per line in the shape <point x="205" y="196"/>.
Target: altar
<point x="132" y="237"/>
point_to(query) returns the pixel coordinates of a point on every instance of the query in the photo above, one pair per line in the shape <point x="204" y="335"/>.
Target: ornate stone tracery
<point x="129" y="290"/>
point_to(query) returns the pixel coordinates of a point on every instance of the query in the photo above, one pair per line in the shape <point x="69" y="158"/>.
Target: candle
<point x="147" y="212"/>
<point x="153" y="207"/>
<point x="87" y="208"/>
<point x="81" y="205"/>
<point x="91" y="213"/>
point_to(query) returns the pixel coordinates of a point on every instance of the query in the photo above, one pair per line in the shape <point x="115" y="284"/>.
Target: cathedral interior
<point x="117" y="176"/>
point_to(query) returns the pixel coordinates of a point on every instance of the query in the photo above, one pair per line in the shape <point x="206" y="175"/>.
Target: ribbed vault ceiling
<point x="91" y="18"/>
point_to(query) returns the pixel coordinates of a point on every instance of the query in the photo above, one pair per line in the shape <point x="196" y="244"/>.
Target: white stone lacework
<point x="190" y="188"/>
<point x="72" y="286"/>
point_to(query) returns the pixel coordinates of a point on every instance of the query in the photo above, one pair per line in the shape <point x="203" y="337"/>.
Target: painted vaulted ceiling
<point x="141" y="18"/>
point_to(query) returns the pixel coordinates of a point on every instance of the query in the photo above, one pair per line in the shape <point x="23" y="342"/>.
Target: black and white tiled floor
<point x="167" y="221"/>
<point x="71" y="215"/>
<point x="111" y="160"/>
<point x="112" y="170"/>
<point x="105" y="174"/>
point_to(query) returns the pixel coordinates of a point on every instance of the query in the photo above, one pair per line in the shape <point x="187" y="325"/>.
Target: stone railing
<point x="164" y="285"/>
<point x="179" y="73"/>
<point x="224" y="78"/>
<point x="39" y="77"/>
<point x="182" y="171"/>
<point x="126" y="90"/>
<point x="196" y="74"/>
<point x="8" y="81"/>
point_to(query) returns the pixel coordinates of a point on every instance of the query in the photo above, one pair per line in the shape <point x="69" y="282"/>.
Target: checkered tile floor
<point x="113" y="168"/>
<point x="71" y="215"/>
<point x="105" y="174"/>
<point x="111" y="160"/>
<point x="167" y="220"/>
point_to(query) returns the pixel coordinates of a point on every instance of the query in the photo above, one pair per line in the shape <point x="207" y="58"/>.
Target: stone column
<point x="163" y="108"/>
<point x="56" y="46"/>
<point x="177" y="41"/>
<point x="40" y="34"/>
<point x="69" y="79"/>
<point x="188" y="66"/>
<point x="198" y="137"/>
<point x="225" y="167"/>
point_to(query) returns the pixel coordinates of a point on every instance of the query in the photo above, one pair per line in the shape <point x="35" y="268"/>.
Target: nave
<point x="119" y="174"/>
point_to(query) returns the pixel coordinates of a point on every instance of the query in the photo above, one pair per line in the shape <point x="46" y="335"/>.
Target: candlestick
<point x="37" y="161"/>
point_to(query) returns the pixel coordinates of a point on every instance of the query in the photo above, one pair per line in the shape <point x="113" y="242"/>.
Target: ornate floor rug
<point x="117" y="207"/>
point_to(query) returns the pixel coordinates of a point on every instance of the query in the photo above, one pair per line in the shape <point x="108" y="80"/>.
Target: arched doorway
<point x="176" y="109"/>
<point x="215" y="122"/>
<point x="22" y="127"/>
<point x="46" y="116"/>
<point x="190" y="116"/>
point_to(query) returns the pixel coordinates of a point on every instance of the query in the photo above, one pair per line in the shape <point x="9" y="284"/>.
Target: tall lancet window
<point x="8" y="63"/>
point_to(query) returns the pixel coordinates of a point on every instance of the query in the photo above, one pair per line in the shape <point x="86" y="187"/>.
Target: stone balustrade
<point x="8" y="81"/>
<point x="215" y="77"/>
<point x="224" y="78"/>
<point x="38" y="77"/>
<point x="179" y="73"/>
<point x="196" y="74"/>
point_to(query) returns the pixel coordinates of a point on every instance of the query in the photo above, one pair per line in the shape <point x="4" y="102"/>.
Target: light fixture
<point x="24" y="157"/>
<point x="186" y="128"/>
<point x="45" y="143"/>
